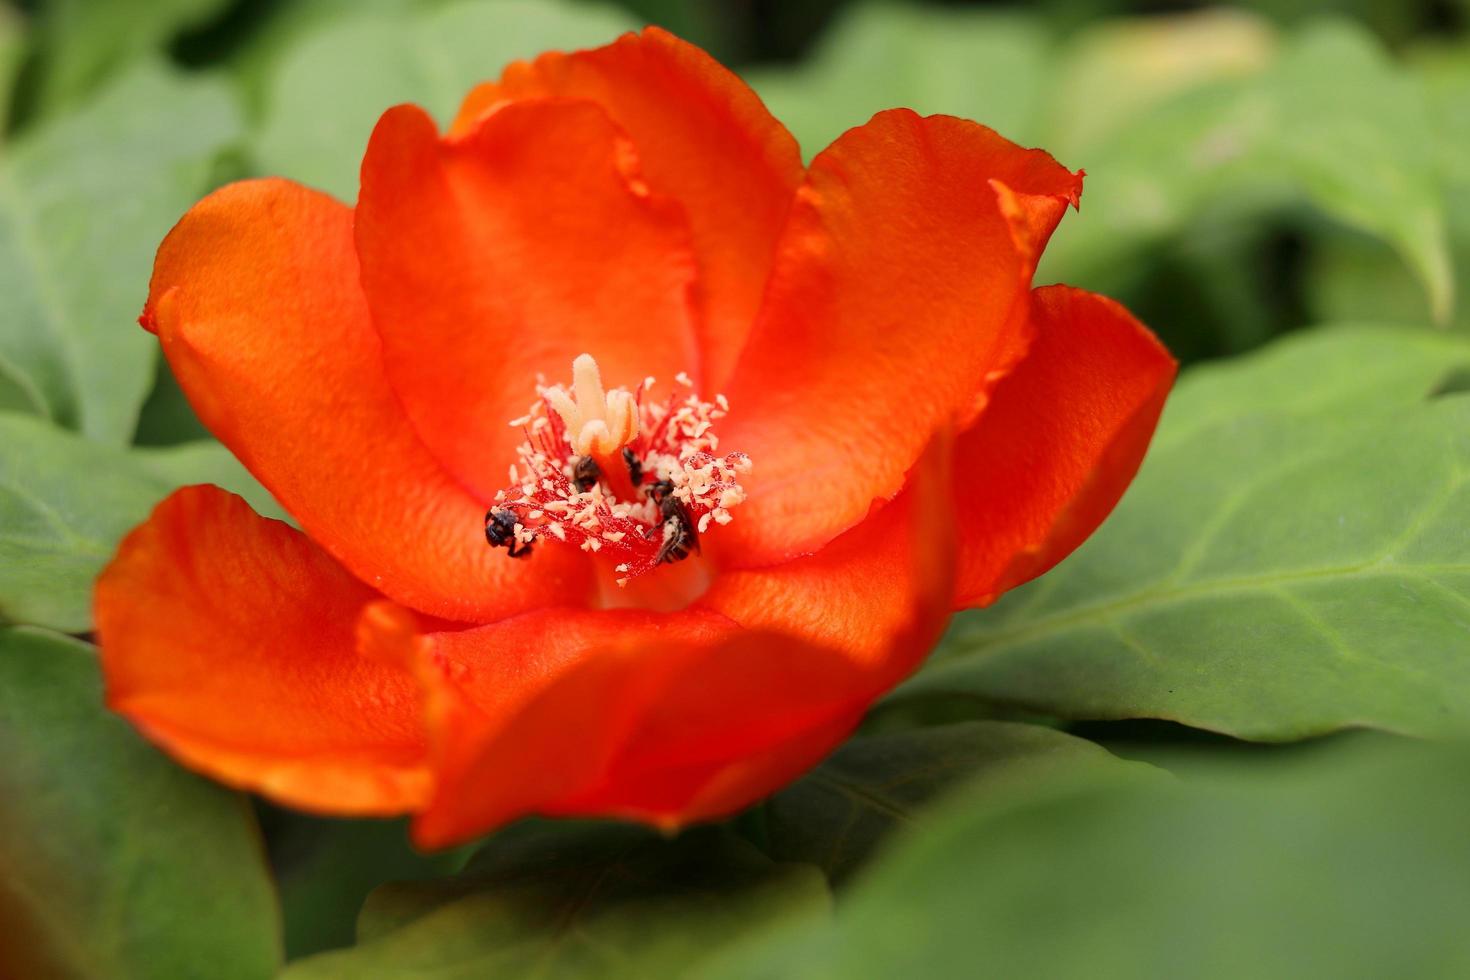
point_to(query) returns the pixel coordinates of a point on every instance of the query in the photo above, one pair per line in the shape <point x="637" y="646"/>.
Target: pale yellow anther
<point x="598" y="422"/>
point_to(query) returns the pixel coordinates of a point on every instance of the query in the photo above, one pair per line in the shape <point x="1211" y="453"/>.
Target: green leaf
<point x="1332" y="121"/>
<point x="326" y="868"/>
<point x="1351" y="864"/>
<point x="836" y="815"/>
<point x="1356" y="131"/>
<point x="332" y="86"/>
<point x="207" y="461"/>
<point x="84" y="203"/>
<point x="597" y="900"/>
<point x="1354" y="275"/>
<point x="972" y="63"/>
<point x="12" y="51"/>
<point x="114" y="862"/>
<point x="66" y="502"/>
<point x="1118" y="69"/>
<point x="1293" y="558"/>
<point x="82" y="42"/>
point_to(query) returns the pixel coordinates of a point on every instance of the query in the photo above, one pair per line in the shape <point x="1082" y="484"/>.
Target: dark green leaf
<point x="877" y="784"/>
<point x="599" y="901"/>
<point x="114" y="862"/>
<point x="1350" y="863"/>
<point x="12" y="50"/>
<point x="330" y="88"/>
<point x="84" y="203"/>
<point x="1294" y="558"/>
<point x="326" y="868"/>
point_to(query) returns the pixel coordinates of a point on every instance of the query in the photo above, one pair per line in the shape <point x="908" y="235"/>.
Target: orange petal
<point x="504" y="253"/>
<point x="1059" y="443"/>
<point x="674" y="717"/>
<point x="228" y="639"/>
<point x="255" y="297"/>
<point x="897" y="302"/>
<point x="704" y="138"/>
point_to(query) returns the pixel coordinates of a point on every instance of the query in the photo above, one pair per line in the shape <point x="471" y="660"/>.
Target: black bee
<point x="635" y="466"/>
<point x="585" y="473"/>
<point x="680" y="535"/>
<point x="500" y="531"/>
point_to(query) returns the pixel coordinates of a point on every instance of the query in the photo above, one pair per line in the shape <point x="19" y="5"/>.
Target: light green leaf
<point x="972" y="63"/>
<point x="600" y="901"/>
<point x="1118" y="69"/>
<point x="66" y="502"/>
<point x="83" y="42"/>
<point x="84" y="203"/>
<point x="877" y="784"/>
<point x="1333" y="121"/>
<point x="114" y="862"/>
<point x="332" y="86"/>
<point x="1293" y="558"/>
<point x="1351" y="864"/>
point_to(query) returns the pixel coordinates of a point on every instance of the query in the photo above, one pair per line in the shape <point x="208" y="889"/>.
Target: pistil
<point x="614" y="473"/>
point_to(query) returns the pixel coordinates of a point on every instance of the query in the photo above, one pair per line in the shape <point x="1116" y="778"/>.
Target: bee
<point x="680" y="535"/>
<point x="635" y="466"/>
<point x="585" y="473"/>
<point x="500" y="531"/>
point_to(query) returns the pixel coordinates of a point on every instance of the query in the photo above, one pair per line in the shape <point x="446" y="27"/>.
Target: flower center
<point x="609" y="471"/>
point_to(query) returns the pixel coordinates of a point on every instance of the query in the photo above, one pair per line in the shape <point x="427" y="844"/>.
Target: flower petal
<point x="675" y="717"/>
<point x="256" y="300"/>
<point x="504" y="253"/>
<point x="1059" y="443"/>
<point x="897" y="302"/>
<point x="228" y="639"/>
<point x="704" y="138"/>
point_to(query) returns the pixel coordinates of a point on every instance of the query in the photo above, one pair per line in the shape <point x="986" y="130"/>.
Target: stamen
<point x="663" y="452"/>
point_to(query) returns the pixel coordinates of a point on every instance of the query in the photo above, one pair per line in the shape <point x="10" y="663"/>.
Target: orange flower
<point x="688" y="589"/>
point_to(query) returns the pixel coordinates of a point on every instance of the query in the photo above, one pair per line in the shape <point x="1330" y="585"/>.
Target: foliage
<point x="1281" y="189"/>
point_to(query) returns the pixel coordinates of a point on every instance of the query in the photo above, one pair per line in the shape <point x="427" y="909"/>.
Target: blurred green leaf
<point x="1354" y="275"/>
<point x="328" y="867"/>
<point x="1351" y="864"/>
<point x="66" y="502"/>
<point x="978" y="64"/>
<point x="330" y="88"/>
<point x="114" y="862"/>
<point x="1353" y="128"/>
<point x="207" y="461"/>
<point x="598" y="900"/>
<point x="84" y="203"/>
<point x="12" y="52"/>
<point x="836" y="815"/>
<point x="1332" y="119"/>
<point x="1293" y="558"/>
<point x="1116" y="70"/>
<point x="82" y="42"/>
